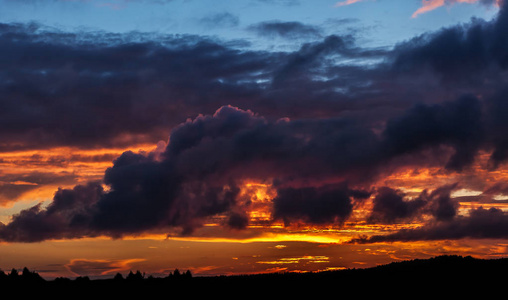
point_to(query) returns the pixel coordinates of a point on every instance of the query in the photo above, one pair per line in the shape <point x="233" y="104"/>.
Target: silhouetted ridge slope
<point x="455" y="275"/>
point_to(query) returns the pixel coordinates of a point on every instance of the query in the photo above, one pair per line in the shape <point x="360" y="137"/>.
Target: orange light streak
<point x="429" y="5"/>
<point x="42" y="172"/>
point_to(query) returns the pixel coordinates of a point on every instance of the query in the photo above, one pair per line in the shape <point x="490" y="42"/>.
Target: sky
<point x="250" y="136"/>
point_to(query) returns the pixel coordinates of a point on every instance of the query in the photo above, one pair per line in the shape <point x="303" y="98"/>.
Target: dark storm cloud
<point x="457" y="123"/>
<point x="440" y="204"/>
<point x="315" y="205"/>
<point x="288" y="30"/>
<point x="309" y="57"/>
<point x="232" y="141"/>
<point x="67" y="89"/>
<point x="197" y="176"/>
<point x="473" y="57"/>
<point x="67" y="216"/>
<point x="198" y="173"/>
<point x="101" y="89"/>
<point x="480" y="223"/>
<point x="497" y="188"/>
<point x="392" y="206"/>
<point x="497" y="124"/>
<point x="464" y="52"/>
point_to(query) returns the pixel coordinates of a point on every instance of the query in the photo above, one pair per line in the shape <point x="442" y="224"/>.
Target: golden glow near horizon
<point x="296" y="260"/>
<point x="259" y="210"/>
<point x="74" y="166"/>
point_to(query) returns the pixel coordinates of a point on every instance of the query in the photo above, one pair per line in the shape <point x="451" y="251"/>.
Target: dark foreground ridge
<point x="441" y="275"/>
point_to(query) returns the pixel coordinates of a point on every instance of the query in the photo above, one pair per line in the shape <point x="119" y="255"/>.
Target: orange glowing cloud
<point x="429" y="5"/>
<point x="37" y="174"/>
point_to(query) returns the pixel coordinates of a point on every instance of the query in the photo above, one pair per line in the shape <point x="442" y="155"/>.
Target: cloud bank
<point x="322" y="132"/>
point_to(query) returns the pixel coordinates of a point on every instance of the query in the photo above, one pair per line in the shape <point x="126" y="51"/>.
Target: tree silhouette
<point x="27" y="275"/>
<point x="137" y="276"/>
<point x="82" y="279"/>
<point x="14" y="273"/>
<point x="62" y="280"/>
<point x="433" y="274"/>
<point x="118" y="277"/>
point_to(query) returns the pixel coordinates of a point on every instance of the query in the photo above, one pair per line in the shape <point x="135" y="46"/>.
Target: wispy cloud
<point x="347" y="2"/>
<point x="429" y="5"/>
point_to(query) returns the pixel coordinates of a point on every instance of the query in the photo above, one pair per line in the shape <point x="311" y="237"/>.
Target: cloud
<point x="288" y="30"/>
<point x="457" y="51"/>
<point x="430" y="5"/>
<point x="315" y="205"/>
<point x="459" y="56"/>
<point x="392" y="206"/>
<point x="14" y="186"/>
<point x="498" y="188"/>
<point x="65" y="217"/>
<point x="311" y="56"/>
<point x="76" y="89"/>
<point x="109" y="96"/>
<point x="198" y="176"/>
<point x="456" y="123"/>
<point x="481" y="223"/>
<point x="321" y="131"/>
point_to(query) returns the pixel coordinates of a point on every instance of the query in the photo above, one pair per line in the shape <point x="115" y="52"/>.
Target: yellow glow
<point x="260" y="196"/>
<point x="271" y="237"/>
<point x="465" y="193"/>
<point x="297" y="260"/>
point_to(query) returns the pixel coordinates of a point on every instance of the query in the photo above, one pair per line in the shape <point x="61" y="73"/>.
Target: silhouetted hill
<point x="439" y="276"/>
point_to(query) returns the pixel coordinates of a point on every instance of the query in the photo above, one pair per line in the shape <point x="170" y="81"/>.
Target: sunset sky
<point x="250" y="136"/>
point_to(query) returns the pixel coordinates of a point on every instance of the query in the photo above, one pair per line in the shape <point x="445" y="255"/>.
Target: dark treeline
<point x="442" y="275"/>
